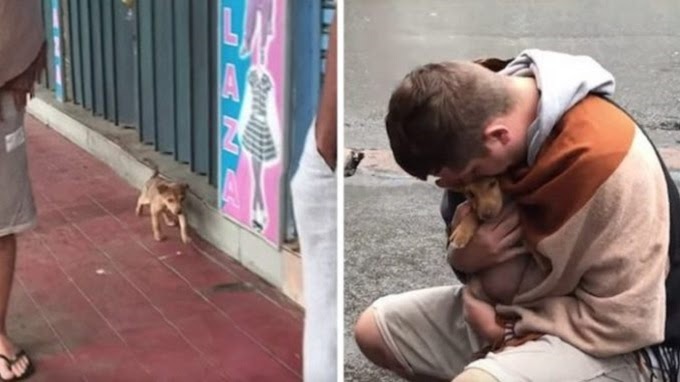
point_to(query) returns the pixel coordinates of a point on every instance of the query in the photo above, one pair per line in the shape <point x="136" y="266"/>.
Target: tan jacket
<point x="595" y="210"/>
<point x="21" y="36"/>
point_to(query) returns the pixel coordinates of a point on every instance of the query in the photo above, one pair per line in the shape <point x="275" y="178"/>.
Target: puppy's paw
<point x="186" y="240"/>
<point x="461" y="237"/>
<point x="158" y="237"/>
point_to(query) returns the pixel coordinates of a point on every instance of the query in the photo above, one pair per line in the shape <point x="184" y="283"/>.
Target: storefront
<point x="221" y="86"/>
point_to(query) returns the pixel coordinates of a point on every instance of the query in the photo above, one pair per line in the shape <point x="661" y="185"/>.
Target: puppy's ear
<point x="163" y="188"/>
<point x="184" y="186"/>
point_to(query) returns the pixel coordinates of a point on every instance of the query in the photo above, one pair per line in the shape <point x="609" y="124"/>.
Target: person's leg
<point x="315" y="205"/>
<point x="258" y="205"/>
<point x="268" y="10"/>
<point x="314" y="193"/>
<point x="265" y="27"/>
<point x="249" y="27"/>
<point x="420" y="335"/>
<point x="372" y="345"/>
<point x="8" y="253"/>
<point x="17" y="214"/>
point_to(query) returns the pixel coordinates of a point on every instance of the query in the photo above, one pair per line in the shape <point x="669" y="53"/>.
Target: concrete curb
<point x="239" y="243"/>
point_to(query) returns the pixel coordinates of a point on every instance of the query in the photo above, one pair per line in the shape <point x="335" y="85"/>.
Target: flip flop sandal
<point x="8" y="363"/>
<point x="30" y="369"/>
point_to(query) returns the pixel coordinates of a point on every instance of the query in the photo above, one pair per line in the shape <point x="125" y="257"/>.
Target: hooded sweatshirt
<point x="563" y="80"/>
<point x="594" y="204"/>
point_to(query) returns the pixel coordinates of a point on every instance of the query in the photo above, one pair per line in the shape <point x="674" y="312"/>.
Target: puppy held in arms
<point x="164" y="198"/>
<point x="496" y="284"/>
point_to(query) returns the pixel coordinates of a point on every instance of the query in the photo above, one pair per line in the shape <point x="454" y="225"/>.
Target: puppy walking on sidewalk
<point x="164" y="198"/>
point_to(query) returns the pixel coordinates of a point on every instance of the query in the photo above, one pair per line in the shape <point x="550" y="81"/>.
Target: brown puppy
<point x="164" y="198"/>
<point x="497" y="284"/>
<point x="486" y="200"/>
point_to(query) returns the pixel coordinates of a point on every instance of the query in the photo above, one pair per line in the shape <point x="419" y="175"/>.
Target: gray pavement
<point x="638" y="41"/>
<point x="393" y="233"/>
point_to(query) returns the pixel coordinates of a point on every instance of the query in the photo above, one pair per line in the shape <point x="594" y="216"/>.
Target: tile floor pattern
<point x="95" y="298"/>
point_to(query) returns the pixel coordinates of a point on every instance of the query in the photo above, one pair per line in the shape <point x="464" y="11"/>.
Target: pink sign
<point x="252" y="83"/>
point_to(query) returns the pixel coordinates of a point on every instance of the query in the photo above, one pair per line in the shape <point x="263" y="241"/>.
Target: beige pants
<point x="426" y="332"/>
<point x="17" y="209"/>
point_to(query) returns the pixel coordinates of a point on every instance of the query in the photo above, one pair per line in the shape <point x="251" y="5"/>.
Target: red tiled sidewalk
<point x="96" y="298"/>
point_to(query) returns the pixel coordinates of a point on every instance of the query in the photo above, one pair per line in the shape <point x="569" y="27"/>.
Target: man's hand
<point x="495" y="241"/>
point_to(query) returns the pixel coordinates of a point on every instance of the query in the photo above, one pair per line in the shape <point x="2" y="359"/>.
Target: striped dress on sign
<point x="257" y="138"/>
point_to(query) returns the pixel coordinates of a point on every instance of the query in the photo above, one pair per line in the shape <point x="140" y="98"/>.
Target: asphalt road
<point x="393" y="233"/>
<point x="638" y="41"/>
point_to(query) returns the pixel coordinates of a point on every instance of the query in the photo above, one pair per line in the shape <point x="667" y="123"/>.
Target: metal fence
<point x="150" y="65"/>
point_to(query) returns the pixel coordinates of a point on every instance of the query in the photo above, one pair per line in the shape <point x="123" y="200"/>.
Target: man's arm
<point x="327" y="116"/>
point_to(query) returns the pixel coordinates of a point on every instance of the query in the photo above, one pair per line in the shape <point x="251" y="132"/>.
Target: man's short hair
<point x="438" y="113"/>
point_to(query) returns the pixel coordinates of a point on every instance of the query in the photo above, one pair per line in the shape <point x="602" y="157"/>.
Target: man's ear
<point x="497" y="132"/>
<point x="493" y="64"/>
<point x="458" y="189"/>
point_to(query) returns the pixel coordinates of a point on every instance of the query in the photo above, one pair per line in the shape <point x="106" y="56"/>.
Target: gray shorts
<point x="17" y="208"/>
<point x="426" y="332"/>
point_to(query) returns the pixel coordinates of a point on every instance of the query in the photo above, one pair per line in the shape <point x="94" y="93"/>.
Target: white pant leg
<point x="315" y="206"/>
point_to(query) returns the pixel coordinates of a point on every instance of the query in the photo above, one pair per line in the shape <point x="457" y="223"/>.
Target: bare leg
<point x="169" y="220"/>
<point x="249" y="27"/>
<point x="8" y="251"/>
<point x="267" y="15"/>
<point x="156" y="226"/>
<point x="183" y="228"/>
<point x="258" y="204"/>
<point x="464" y="231"/>
<point x="373" y="346"/>
<point x="265" y="26"/>
<point x="140" y="205"/>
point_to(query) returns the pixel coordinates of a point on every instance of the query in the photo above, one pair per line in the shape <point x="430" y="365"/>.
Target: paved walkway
<point x="97" y="299"/>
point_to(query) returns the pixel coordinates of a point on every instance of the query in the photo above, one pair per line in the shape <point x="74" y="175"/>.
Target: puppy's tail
<point x="153" y="166"/>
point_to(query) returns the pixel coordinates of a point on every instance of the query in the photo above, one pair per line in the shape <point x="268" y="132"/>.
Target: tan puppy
<point x="164" y="198"/>
<point x="486" y="200"/>
<point x="497" y="284"/>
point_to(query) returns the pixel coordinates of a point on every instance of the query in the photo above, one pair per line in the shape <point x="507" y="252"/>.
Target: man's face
<point x="494" y="163"/>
